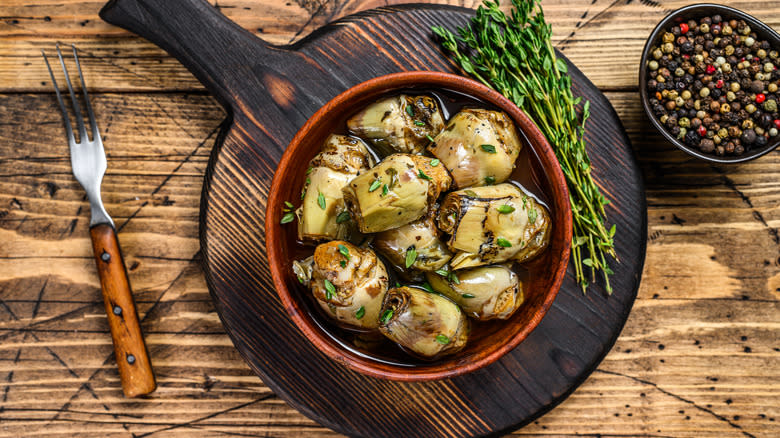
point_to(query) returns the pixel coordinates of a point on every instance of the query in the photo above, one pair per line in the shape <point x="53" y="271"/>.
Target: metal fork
<point x="88" y="160"/>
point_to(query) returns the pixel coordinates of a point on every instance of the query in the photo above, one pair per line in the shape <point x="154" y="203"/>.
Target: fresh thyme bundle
<point x="514" y="55"/>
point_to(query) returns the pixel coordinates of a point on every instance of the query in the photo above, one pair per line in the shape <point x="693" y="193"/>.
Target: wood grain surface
<point x="698" y="356"/>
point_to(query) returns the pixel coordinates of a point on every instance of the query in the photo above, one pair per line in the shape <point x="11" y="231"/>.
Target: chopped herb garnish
<point x="453" y="277"/>
<point x="343" y="263"/>
<point x="424" y="176"/>
<point x="442" y="272"/>
<point x="489" y="148"/>
<point x="467" y="295"/>
<point x="287" y="218"/>
<point x="308" y="180"/>
<point x="419" y="123"/>
<point x="430" y="139"/>
<point x="471" y="193"/>
<point x="309" y="170"/>
<point x="384" y="190"/>
<point x="360" y="312"/>
<point x="386" y="315"/>
<point x="342" y="217"/>
<point x="397" y="284"/>
<point x="490" y="180"/>
<point x="411" y="256"/>
<point x="289" y="204"/>
<point x="410" y="110"/>
<point x="329" y="289"/>
<point x="505" y="209"/>
<point x="442" y="339"/>
<point x="532" y="215"/>
<point x="525" y="201"/>
<point x="428" y="287"/>
<point x="321" y="200"/>
<point x="375" y="185"/>
<point x="343" y="250"/>
<point x="435" y="162"/>
<point x="503" y="242"/>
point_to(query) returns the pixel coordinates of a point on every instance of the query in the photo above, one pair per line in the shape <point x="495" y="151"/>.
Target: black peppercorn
<point x="748" y="137"/>
<point x="692" y="138"/>
<point x="761" y="141"/>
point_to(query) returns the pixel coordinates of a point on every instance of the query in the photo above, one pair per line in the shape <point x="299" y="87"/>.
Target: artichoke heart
<point x="426" y="324"/>
<point x="486" y="292"/>
<point x="348" y="282"/>
<point x="479" y="147"/>
<point x="493" y="224"/>
<point x="400" y="123"/>
<point x="395" y="192"/>
<point x="414" y="246"/>
<point x="320" y="215"/>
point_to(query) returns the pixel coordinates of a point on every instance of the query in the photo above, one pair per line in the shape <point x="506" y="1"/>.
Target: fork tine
<point x="87" y="103"/>
<point x="65" y="118"/>
<point x="76" y="107"/>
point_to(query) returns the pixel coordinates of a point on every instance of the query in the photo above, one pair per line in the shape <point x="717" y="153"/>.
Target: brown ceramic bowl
<point x="696" y="12"/>
<point x="493" y="340"/>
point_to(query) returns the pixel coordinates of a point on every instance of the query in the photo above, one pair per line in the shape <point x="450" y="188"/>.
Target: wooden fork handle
<point x="132" y="358"/>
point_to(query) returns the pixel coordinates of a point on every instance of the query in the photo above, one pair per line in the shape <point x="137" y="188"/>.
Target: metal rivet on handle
<point x="130" y="359"/>
<point x="105" y="256"/>
<point x="117" y="310"/>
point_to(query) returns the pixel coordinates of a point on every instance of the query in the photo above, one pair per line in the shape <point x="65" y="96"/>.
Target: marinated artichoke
<point x="414" y="246"/>
<point x="348" y="282"/>
<point x="423" y="323"/>
<point x="493" y="224"/>
<point x="322" y="214"/>
<point x="486" y="292"/>
<point x="395" y="192"/>
<point x="401" y="123"/>
<point x="479" y="147"/>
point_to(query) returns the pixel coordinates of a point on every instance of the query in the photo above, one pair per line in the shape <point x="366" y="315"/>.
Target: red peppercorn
<point x="719" y="84"/>
<point x="760" y="98"/>
<point x="710" y="69"/>
<point x="687" y="56"/>
<point x="683" y="28"/>
<point x="777" y="123"/>
<point x="702" y="130"/>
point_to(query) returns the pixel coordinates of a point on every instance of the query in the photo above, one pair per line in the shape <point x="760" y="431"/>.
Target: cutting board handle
<point x="215" y="49"/>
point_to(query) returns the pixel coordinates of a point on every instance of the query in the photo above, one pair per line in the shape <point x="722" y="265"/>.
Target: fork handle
<point x="132" y="357"/>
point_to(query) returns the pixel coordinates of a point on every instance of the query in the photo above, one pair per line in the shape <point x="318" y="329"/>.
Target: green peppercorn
<point x="682" y="133"/>
<point x="730" y="96"/>
<point x="723" y="133"/>
<point x="660" y="79"/>
<point x="726" y="30"/>
<point x="734" y="86"/>
<point x="673" y="94"/>
<point x="726" y="68"/>
<point x="697" y="104"/>
<point x="746" y="31"/>
<point x="716" y="139"/>
<point x="686" y="94"/>
<point x="679" y="72"/>
<point x="664" y="118"/>
<point x="704" y="92"/>
<point x="652" y="65"/>
<point x="747" y="124"/>
<point x="725" y="108"/>
<point x="773" y="132"/>
<point x="668" y="48"/>
<point x="749" y="41"/>
<point x="679" y="101"/>
<point x="704" y="28"/>
<point x="750" y="108"/>
<point x="759" y="130"/>
<point x="668" y="37"/>
<point x="768" y="67"/>
<point x="770" y="106"/>
<point x="729" y="50"/>
<point x="761" y="53"/>
<point x="684" y="122"/>
<point x="657" y="53"/>
<point x="772" y="88"/>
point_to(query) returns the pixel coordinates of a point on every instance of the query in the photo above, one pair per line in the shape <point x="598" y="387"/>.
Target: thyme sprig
<point x="514" y="55"/>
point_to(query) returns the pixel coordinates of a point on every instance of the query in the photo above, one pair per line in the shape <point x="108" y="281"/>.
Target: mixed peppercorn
<point x="714" y="86"/>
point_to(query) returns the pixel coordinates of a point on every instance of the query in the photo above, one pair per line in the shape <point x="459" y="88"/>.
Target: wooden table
<point x="699" y="356"/>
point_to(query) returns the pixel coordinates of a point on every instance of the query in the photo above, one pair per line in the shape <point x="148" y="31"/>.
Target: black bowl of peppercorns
<point x="709" y="80"/>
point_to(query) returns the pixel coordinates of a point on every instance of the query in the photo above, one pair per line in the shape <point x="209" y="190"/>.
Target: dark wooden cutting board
<point x="269" y="92"/>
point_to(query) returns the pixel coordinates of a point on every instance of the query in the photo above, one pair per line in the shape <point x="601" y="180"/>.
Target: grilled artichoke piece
<point x="340" y="159"/>
<point x="417" y="243"/>
<point x="486" y="292"/>
<point x="479" y="147"/>
<point x="401" y="123"/>
<point x="425" y="324"/>
<point x="348" y="282"/>
<point x="493" y="224"/>
<point x="395" y="192"/>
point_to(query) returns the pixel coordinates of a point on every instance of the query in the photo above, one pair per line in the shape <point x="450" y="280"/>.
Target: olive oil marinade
<point x="369" y="342"/>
